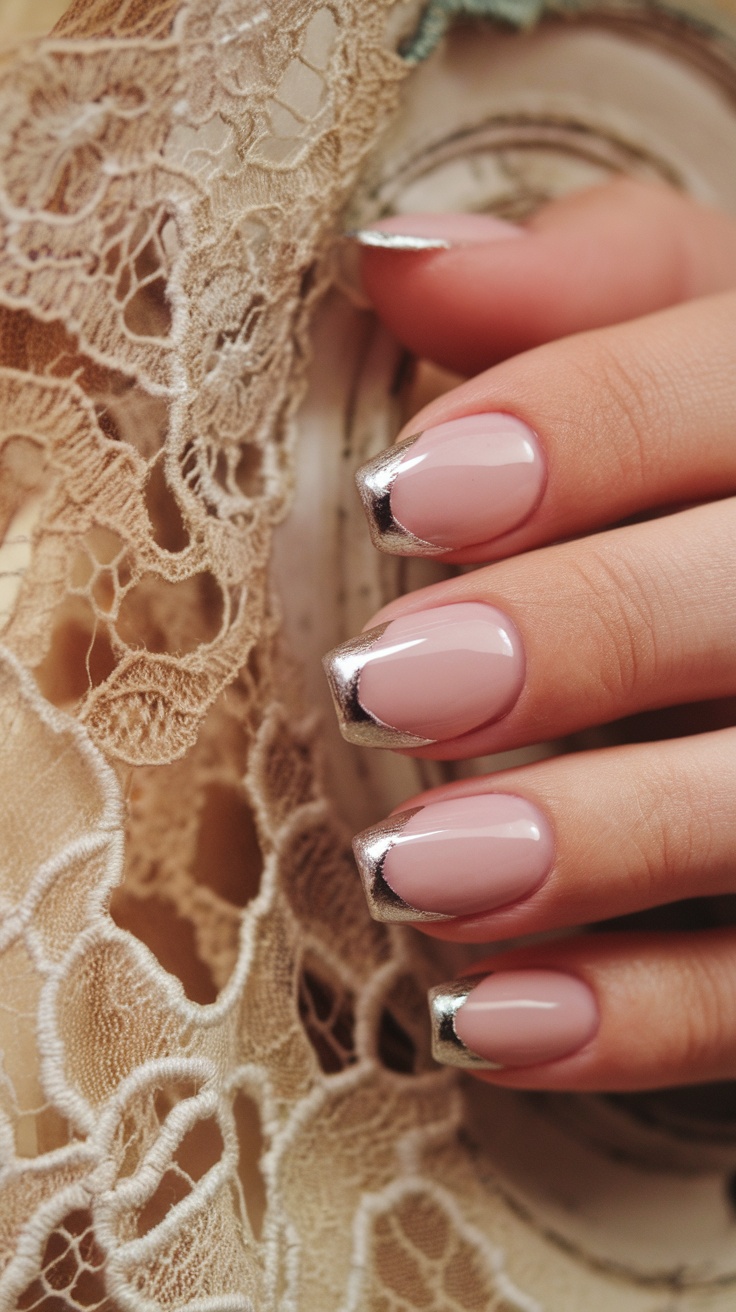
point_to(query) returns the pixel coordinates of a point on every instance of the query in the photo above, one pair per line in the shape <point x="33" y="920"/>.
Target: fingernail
<point x="426" y="677"/>
<point x="457" y="484"/>
<point x="434" y="232"/>
<point x="513" y="1018"/>
<point x="371" y="848"/>
<point x="454" y="858"/>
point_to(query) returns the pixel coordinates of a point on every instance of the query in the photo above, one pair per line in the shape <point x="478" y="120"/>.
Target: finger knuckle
<point x="628" y="391"/>
<point x="620" y="622"/>
<point x="622" y="416"/>
<point x="673" y="834"/>
<point x="707" y="1013"/>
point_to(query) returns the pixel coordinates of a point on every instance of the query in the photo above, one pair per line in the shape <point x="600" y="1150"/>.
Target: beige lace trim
<point x="204" y="1094"/>
<point x="215" y="1087"/>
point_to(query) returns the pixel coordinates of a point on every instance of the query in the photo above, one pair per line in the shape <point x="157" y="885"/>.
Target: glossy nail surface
<point x="469" y="854"/>
<point x="458" y="484"/>
<point x="513" y="1018"/>
<point x="428" y="232"/>
<point x="371" y="848"/>
<point x="428" y="676"/>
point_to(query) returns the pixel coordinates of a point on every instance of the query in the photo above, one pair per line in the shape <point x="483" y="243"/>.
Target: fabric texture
<point x="205" y="1094"/>
<point x="215" y="1092"/>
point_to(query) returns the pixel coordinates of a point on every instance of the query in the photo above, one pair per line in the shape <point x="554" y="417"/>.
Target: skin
<point x="609" y="328"/>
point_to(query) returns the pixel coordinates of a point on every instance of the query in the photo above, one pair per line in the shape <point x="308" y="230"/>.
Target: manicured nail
<point x="513" y="1018"/>
<point x="434" y="232"/>
<point x="426" y="677"/>
<point x="454" y="858"/>
<point x="372" y="848"/>
<point x="457" y="484"/>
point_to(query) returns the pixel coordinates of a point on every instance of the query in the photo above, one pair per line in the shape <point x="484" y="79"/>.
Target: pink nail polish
<point x="513" y="1018"/>
<point x="427" y="232"/>
<point x="469" y="854"/>
<point x="428" y="676"/>
<point x="458" y="484"/>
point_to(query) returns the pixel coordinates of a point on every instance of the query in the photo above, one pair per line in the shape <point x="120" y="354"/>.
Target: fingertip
<point x="419" y="233"/>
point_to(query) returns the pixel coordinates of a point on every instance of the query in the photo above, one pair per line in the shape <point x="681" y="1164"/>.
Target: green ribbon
<point x="439" y="14"/>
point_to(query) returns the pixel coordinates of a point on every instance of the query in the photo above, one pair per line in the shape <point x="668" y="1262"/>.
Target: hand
<point x="617" y="311"/>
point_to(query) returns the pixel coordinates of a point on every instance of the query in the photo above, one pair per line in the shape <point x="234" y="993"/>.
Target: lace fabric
<point x="215" y="1091"/>
<point x="206" y="1042"/>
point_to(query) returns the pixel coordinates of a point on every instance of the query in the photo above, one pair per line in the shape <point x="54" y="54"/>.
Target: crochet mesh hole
<point x="251" y="1142"/>
<point x="171" y="938"/>
<point x="301" y="90"/>
<point x="319" y="38"/>
<point x="146" y="312"/>
<point x="140" y="281"/>
<point x="175" y="618"/>
<point x="104" y="545"/>
<point x="15" y="555"/>
<point x="71" y="1271"/>
<point x="163" y="511"/>
<point x="249" y="470"/>
<point x="228" y="857"/>
<point x="141" y="1123"/>
<point x="396" y="1048"/>
<point x="326" y="1010"/>
<point x="403" y="1032"/>
<point x="21" y="472"/>
<point x="169" y="1095"/>
<point x="126" y="413"/>
<point x="80" y="654"/>
<point x="21" y="478"/>
<point x="197" y="1153"/>
<point x="41" y="1132"/>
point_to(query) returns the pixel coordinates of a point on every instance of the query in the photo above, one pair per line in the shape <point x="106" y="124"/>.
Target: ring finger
<point x="575" y="840"/>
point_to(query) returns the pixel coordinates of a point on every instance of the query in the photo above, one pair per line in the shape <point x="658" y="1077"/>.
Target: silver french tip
<point x="371" y="847"/>
<point x="445" y="1000"/>
<point x="343" y="666"/>
<point x="396" y="241"/>
<point x="375" y="479"/>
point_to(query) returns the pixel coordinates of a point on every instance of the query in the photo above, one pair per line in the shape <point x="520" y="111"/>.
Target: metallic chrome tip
<point x="371" y="848"/>
<point x="375" y="479"/>
<point x="396" y="241"/>
<point x="343" y="667"/>
<point x="448" y="1049"/>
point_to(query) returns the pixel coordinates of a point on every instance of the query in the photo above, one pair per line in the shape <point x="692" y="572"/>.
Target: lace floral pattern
<point x="205" y="1099"/>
